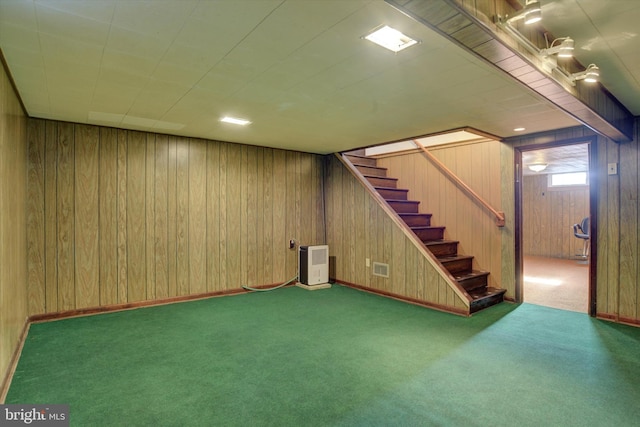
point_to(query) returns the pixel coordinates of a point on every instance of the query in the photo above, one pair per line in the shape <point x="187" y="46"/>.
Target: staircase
<point x="474" y="282"/>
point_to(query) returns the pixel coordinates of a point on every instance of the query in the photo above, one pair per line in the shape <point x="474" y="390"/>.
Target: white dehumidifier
<point x="313" y="267"/>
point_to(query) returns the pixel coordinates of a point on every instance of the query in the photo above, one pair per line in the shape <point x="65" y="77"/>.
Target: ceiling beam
<point x="470" y="28"/>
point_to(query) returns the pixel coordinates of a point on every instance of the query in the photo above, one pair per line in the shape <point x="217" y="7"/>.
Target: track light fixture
<point x="564" y="49"/>
<point x="590" y="75"/>
<point x="531" y="13"/>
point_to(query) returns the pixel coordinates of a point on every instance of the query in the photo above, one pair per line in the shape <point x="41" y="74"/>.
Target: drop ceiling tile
<point x="70" y="50"/>
<point x="62" y="24"/>
<point x="21" y="57"/>
<point x="97" y="10"/>
<point x="136" y="43"/>
<point x="19" y="36"/>
<point x="124" y="62"/>
<point x="161" y="19"/>
<point x="177" y="73"/>
<point x="200" y="59"/>
<point x="18" y="12"/>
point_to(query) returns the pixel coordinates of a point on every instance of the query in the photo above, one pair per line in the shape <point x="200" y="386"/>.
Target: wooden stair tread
<point x="390" y="188"/>
<point x="477" y="294"/>
<point x="428" y="227"/>
<point x="381" y="177"/>
<point x="402" y="201"/>
<point x="470" y="274"/>
<point x="440" y="242"/>
<point x="449" y="258"/>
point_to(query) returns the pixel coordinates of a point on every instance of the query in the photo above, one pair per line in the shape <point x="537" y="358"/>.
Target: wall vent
<point x="380" y="269"/>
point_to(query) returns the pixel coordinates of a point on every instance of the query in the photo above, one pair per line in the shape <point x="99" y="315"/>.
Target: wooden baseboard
<point x="415" y="301"/>
<point x="13" y="363"/>
<point x="46" y="317"/>
<point x="618" y="319"/>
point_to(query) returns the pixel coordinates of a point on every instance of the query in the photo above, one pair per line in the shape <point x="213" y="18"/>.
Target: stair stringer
<point x="462" y="302"/>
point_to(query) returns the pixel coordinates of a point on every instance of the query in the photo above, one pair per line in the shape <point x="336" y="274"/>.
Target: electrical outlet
<point x="292" y="244"/>
<point x="612" y="169"/>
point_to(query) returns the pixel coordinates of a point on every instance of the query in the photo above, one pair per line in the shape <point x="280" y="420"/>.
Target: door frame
<point x="593" y="213"/>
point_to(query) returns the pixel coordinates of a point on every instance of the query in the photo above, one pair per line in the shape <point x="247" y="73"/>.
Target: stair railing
<point x="499" y="215"/>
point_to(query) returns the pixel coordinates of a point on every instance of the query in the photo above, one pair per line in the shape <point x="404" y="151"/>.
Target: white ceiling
<point x="298" y="69"/>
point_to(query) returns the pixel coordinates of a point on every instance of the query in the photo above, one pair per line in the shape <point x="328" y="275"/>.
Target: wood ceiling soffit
<point x="472" y="30"/>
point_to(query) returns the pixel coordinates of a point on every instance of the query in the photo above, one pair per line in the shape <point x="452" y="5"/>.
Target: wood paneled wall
<point x="478" y="165"/>
<point x="119" y="216"/>
<point x="618" y="216"/>
<point x="358" y="228"/>
<point x="548" y="217"/>
<point x="13" y="243"/>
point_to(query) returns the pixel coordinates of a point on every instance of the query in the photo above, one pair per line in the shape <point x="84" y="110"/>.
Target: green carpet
<point x="335" y="357"/>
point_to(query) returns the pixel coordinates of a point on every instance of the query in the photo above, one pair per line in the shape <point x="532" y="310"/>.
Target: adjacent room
<point x="287" y="212"/>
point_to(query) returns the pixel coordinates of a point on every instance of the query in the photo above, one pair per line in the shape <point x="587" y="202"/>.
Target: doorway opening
<point x="554" y="215"/>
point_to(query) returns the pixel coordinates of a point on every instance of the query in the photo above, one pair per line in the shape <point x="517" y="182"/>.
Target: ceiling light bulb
<point x="532" y="12"/>
<point x="566" y="48"/>
<point x="592" y="74"/>
<point x="537" y="167"/>
<point x="235" y="121"/>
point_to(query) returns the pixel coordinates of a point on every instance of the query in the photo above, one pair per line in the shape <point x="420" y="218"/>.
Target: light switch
<point x="612" y="169"/>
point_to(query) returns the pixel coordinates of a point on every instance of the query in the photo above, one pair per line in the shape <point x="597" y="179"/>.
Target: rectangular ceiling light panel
<point x="391" y="39"/>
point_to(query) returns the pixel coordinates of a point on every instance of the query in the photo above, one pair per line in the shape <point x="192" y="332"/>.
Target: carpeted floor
<point x="334" y="357"/>
<point x="557" y="283"/>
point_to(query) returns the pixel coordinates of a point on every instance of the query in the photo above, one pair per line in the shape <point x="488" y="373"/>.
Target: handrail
<point x="500" y="219"/>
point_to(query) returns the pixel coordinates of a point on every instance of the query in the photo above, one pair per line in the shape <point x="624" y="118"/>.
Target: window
<point x="573" y="179"/>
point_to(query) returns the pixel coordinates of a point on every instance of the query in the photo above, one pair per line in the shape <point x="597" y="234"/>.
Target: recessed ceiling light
<point x="518" y="129"/>
<point x="391" y="39"/>
<point x="235" y="121"/>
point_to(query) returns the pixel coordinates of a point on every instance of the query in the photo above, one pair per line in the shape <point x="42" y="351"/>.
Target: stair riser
<point x="366" y="161"/>
<point x="459" y="266"/>
<point x="444" y="249"/>
<point x="474" y="283"/>
<point x="486" y="302"/>
<point x="371" y="170"/>
<point x="430" y="234"/>
<point x="382" y="182"/>
<point x="395" y="194"/>
<point x="404" y="207"/>
<point x="417" y="221"/>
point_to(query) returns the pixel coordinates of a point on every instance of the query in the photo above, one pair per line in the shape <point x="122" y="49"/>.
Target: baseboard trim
<point x="46" y="317"/>
<point x="618" y="319"/>
<point x="414" y="301"/>
<point x="13" y="363"/>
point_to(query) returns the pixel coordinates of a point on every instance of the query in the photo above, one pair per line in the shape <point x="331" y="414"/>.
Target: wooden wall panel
<point x="171" y="217"/>
<point x="150" y="217"/>
<point x="411" y="276"/>
<point x="66" y="218"/>
<point x="108" y="201"/>
<point x="629" y="236"/>
<point x="124" y="216"/>
<point x="36" y="217"/>
<point x="13" y="223"/>
<point x="182" y="219"/>
<point x="161" y="229"/>
<point x="51" y="215"/>
<point x="214" y="282"/>
<point x="548" y="218"/>
<point x="87" y="213"/>
<point x="197" y="216"/>
<point x="136" y="217"/>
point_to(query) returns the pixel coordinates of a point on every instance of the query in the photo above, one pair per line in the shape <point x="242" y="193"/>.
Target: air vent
<point x="380" y="269"/>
